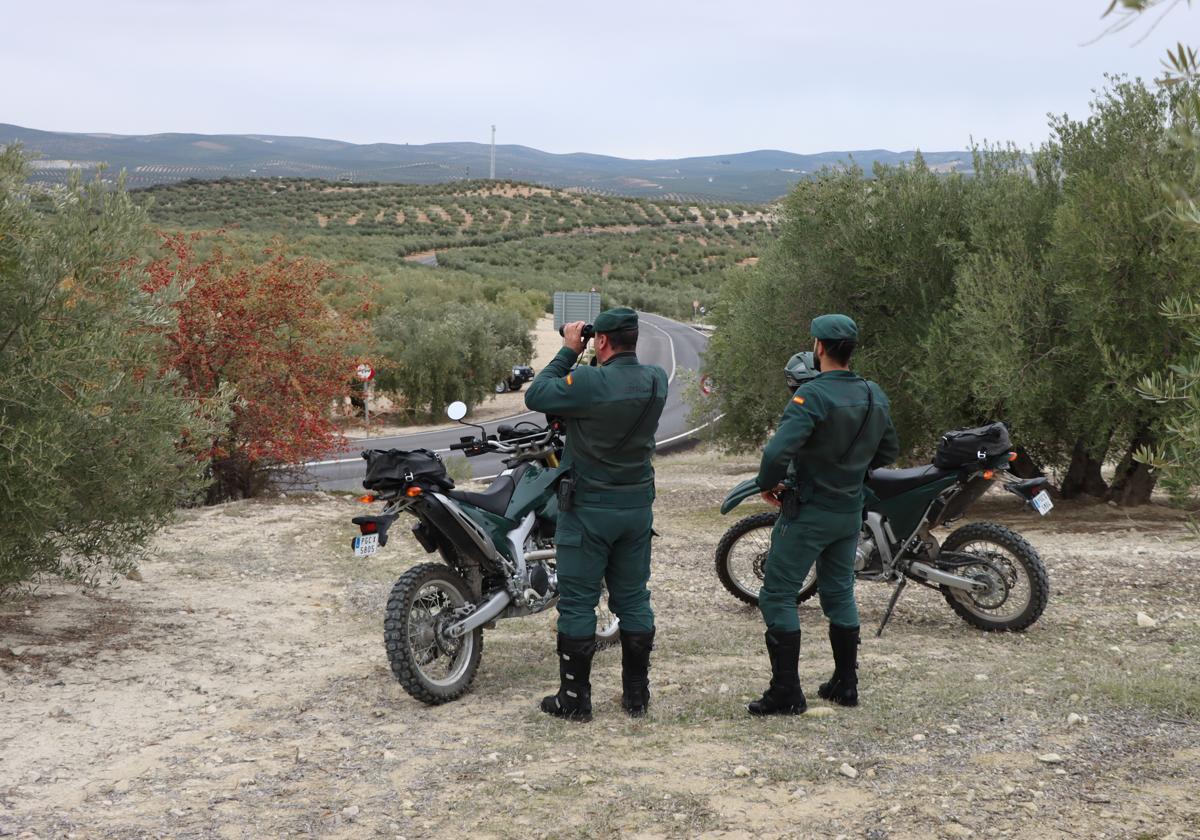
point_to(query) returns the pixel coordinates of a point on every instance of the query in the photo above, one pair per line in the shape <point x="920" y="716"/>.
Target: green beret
<point x="612" y="320"/>
<point x="833" y="328"/>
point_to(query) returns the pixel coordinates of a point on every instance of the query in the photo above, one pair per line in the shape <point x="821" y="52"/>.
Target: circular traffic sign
<point x="364" y="372"/>
<point x="706" y="385"/>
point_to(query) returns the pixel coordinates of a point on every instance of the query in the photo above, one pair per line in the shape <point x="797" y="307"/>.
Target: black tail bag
<point x="967" y="447"/>
<point x="394" y="469"/>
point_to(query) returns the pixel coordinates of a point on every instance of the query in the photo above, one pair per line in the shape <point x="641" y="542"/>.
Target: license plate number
<point x="1042" y="504"/>
<point x="366" y="545"/>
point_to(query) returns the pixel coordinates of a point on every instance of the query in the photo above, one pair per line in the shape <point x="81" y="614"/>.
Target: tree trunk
<point x="1133" y="482"/>
<point x="1083" y="475"/>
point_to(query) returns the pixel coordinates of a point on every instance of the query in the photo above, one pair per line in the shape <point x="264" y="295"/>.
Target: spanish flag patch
<point x="798" y="400"/>
<point x="570" y="381"/>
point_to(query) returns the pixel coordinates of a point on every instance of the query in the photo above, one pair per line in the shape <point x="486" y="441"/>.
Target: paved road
<point x="674" y="346"/>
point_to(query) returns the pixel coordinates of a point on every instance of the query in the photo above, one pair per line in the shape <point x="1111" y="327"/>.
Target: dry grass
<point x="241" y="691"/>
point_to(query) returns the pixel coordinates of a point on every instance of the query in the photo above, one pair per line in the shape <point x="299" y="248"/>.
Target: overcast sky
<point x="636" y="79"/>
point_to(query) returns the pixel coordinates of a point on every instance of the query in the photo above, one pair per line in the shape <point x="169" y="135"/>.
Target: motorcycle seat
<point x="496" y="497"/>
<point x="888" y="483"/>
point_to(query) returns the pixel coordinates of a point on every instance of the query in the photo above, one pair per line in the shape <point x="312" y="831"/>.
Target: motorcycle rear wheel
<point x="608" y="626"/>
<point x="429" y="667"/>
<point x="1012" y="565"/>
<point x="742" y="559"/>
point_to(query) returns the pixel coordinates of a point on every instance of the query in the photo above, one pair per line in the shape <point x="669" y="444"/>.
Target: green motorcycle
<point x="497" y="548"/>
<point x="989" y="575"/>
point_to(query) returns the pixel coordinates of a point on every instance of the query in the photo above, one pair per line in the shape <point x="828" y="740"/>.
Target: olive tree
<point x="93" y="433"/>
<point x="882" y="250"/>
<point x="435" y="354"/>
<point x="1116" y="258"/>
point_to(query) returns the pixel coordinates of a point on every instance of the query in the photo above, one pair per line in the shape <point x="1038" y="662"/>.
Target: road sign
<point x="364" y="372"/>
<point x="706" y="385"/>
<point x="575" y="306"/>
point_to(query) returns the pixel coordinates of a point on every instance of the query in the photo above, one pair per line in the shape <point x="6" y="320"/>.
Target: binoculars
<point x="588" y="331"/>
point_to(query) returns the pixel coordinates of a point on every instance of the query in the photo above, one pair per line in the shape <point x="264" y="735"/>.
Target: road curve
<point x="674" y="346"/>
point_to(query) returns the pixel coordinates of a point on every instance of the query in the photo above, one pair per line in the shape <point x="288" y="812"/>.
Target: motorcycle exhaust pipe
<point x="487" y="611"/>
<point x="928" y="573"/>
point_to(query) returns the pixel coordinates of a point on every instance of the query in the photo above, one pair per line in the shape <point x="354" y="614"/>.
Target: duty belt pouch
<point x="790" y="503"/>
<point x="566" y="493"/>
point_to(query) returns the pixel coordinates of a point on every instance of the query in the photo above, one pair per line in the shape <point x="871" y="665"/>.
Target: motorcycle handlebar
<point x="475" y="446"/>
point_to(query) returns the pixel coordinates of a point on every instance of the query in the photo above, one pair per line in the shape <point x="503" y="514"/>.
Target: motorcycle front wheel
<point x="431" y="668"/>
<point x="742" y="559"/>
<point x="1017" y="584"/>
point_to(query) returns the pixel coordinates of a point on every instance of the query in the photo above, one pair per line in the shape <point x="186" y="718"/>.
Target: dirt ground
<point x="240" y="690"/>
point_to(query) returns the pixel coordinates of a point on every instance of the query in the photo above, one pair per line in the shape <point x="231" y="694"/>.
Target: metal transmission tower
<point x="493" y="175"/>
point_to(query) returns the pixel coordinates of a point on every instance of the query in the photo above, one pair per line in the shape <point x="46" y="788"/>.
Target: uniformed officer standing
<point x="836" y="427"/>
<point x="603" y="534"/>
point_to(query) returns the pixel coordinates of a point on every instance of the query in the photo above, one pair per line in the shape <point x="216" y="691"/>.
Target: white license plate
<point x="366" y="545"/>
<point x="1042" y="504"/>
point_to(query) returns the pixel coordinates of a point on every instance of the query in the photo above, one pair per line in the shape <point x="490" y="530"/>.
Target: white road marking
<point x="670" y="341"/>
<point x="439" y="431"/>
<point x="689" y="432"/>
<point x="349" y="460"/>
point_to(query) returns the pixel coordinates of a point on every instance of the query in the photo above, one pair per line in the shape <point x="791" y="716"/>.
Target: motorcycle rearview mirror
<point x="457" y="410"/>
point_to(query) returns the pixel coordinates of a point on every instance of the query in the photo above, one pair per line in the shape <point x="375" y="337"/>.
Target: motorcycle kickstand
<point x="891" y="605"/>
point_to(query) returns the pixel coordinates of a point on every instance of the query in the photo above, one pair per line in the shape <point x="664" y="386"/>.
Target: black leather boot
<point x="784" y="697"/>
<point x="635" y="665"/>
<point x="842" y="687"/>
<point x="574" y="698"/>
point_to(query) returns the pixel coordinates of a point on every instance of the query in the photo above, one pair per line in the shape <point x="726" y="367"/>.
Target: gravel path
<point x="240" y="690"/>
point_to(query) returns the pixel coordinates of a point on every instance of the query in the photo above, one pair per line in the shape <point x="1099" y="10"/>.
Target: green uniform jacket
<point x="601" y="405"/>
<point x="815" y="433"/>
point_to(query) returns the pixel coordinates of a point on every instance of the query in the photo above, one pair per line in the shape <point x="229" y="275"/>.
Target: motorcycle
<point x="496" y="546"/>
<point x="990" y="576"/>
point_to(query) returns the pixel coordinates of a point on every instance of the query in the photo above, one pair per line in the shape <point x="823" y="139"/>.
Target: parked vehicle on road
<point x="516" y="380"/>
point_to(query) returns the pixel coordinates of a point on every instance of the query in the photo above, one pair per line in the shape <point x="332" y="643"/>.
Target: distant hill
<point x="167" y="158"/>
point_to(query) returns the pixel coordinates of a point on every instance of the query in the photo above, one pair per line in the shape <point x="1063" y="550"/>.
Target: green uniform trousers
<point x="826" y="538"/>
<point x="598" y="545"/>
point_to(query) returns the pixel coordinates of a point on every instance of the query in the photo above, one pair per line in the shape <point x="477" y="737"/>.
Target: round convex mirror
<point x="457" y="410"/>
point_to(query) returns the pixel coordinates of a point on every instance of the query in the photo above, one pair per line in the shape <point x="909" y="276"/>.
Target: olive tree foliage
<point x="993" y="350"/>
<point x="882" y="250"/>
<point x="91" y="462"/>
<point x="434" y="353"/>
<point x="1116" y="257"/>
<point x="1176" y="388"/>
<point x="1030" y="292"/>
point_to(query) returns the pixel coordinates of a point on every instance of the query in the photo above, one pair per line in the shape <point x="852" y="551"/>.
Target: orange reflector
<point x="413" y="492"/>
<point x="366" y="500"/>
<point x="1012" y="456"/>
<point x="989" y="475"/>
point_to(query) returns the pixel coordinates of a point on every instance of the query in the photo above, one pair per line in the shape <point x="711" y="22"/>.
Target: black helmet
<point x="800" y="368"/>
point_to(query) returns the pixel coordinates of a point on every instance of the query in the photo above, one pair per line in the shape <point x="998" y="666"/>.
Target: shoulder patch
<point x="570" y="379"/>
<point x="798" y="400"/>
